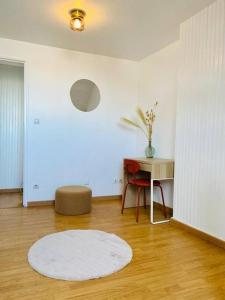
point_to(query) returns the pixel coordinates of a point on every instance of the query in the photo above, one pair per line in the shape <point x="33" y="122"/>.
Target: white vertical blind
<point x="199" y="196"/>
<point x="11" y="126"/>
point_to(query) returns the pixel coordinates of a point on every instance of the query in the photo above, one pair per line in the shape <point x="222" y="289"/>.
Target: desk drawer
<point x="145" y="167"/>
<point x="162" y="171"/>
<point x="159" y="170"/>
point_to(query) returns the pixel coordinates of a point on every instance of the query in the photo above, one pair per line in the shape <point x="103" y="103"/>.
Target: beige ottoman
<point x="73" y="200"/>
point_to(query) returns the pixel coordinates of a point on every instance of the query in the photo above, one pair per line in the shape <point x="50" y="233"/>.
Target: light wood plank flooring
<point x="168" y="263"/>
<point x="8" y="200"/>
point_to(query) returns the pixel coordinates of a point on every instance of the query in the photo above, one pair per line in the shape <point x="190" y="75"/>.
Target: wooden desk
<point x="160" y="169"/>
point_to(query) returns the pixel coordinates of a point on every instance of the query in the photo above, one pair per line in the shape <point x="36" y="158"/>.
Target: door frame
<point x="25" y="127"/>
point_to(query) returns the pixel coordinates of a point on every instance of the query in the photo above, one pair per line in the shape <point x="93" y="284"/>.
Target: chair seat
<point x="140" y="182"/>
<point x="144" y="182"/>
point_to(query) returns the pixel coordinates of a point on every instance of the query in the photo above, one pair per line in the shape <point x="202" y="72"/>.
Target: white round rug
<point x="79" y="254"/>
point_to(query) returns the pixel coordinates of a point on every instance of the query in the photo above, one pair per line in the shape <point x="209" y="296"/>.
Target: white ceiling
<point x="128" y="29"/>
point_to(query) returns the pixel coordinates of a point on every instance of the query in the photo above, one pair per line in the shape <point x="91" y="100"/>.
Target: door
<point x="11" y="127"/>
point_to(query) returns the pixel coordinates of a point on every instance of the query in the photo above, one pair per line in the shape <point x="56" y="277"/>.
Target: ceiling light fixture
<point x="77" y="19"/>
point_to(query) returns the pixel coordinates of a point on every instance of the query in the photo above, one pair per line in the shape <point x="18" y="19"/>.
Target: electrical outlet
<point x="36" y="121"/>
<point x="117" y="180"/>
<point x="36" y="187"/>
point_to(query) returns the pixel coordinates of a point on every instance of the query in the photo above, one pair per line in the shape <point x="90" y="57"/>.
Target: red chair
<point x="131" y="169"/>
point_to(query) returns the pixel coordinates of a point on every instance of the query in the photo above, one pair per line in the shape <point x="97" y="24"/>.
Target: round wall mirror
<point x="85" y="95"/>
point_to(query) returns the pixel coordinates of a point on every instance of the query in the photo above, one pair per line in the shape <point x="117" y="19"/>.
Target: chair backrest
<point x="131" y="167"/>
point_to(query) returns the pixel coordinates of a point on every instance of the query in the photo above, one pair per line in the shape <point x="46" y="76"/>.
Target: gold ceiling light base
<point x="77" y="19"/>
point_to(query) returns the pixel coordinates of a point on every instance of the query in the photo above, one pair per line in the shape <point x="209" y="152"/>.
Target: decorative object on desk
<point x="149" y="150"/>
<point x="147" y="120"/>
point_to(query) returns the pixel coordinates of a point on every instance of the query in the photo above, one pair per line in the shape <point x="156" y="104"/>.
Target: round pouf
<point x="73" y="200"/>
<point x="79" y="254"/>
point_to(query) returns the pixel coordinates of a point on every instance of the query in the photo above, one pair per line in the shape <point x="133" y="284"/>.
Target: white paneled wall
<point x="11" y="126"/>
<point x="200" y="136"/>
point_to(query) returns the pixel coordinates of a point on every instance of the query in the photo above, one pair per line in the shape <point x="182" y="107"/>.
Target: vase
<point x="149" y="150"/>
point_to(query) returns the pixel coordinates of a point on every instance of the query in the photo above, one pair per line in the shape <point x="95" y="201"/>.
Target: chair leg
<point x="144" y="197"/>
<point x="124" y="197"/>
<point x="138" y="204"/>
<point x="164" y="207"/>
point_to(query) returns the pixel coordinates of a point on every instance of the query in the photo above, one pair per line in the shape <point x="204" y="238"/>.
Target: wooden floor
<point x="168" y="263"/>
<point x="8" y="200"/>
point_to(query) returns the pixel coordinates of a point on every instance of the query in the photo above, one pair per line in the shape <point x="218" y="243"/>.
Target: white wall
<point x="158" y="80"/>
<point x="11" y="126"/>
<point x="69" y="146"/>
<point x="200" y="136"/>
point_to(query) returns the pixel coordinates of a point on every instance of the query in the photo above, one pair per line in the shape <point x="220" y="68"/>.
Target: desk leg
<point x="151" y="202"/>
<point x="152" y="206"/>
